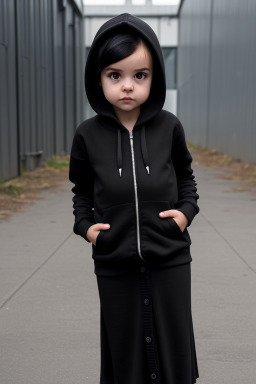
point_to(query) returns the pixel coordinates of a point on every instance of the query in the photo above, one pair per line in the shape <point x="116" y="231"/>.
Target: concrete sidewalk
<point x="49" y="317"/>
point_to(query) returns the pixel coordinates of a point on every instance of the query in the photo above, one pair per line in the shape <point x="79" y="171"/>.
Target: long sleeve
<point x="182" y="159"/>
<point x="81" y="174"/>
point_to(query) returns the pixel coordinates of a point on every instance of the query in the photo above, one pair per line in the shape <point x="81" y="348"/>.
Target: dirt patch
<point x="16" y="193"/>
<point x="229" y="168"/>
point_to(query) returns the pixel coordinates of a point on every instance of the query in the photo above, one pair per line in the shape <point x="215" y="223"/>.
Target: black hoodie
<point x="126" y="178"/>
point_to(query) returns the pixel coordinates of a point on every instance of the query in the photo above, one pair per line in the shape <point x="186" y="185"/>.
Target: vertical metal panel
<point x="217" y="77"/>
<point x="232" y="120"/>
<point x="59" y="76"/>
<point x="35" y="81"/>
<point x="48" y="58"/>
<point x="70" y="77"/>
<point x="79" y="70"/>
<point x="8" y="108"/>
<point x="193" y="64"/>
<point x="49" y="83"/>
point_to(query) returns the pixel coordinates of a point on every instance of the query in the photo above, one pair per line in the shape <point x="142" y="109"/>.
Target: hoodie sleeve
<point x="81" y="174"/>
<point x="187" y="191"/>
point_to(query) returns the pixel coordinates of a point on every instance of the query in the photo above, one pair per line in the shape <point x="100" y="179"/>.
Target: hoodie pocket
<point x="101" y="234"/>
<point x="160" y="237"/>
<point x="119" y="241"/>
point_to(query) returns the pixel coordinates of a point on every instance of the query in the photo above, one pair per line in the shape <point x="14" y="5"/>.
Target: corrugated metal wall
<point x="216" y="75"/>
<point x="8" y="90"/>
<point x="42" y="91"/>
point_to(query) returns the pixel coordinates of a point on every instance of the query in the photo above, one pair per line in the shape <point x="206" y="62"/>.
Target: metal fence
<point x="216" y="75"/>
<point x="41" y="92"/>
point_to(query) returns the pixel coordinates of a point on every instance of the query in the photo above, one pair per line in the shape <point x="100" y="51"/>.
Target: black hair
<point x="116" y="48"/>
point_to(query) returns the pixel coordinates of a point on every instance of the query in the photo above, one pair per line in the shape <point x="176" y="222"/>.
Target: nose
<point x="127" y="85"/>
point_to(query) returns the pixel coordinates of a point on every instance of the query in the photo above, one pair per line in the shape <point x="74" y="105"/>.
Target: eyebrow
<point x="120" y="70"/>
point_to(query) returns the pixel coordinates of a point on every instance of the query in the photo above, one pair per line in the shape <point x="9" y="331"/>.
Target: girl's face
<point x="126" y="84"/>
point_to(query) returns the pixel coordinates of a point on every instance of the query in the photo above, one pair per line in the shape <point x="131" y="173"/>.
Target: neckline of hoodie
<point x="116" y="124"/>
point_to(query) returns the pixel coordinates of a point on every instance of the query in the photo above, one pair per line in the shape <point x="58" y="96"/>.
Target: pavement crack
<point x="230" y="245"/>
<point x="34" y="272"/>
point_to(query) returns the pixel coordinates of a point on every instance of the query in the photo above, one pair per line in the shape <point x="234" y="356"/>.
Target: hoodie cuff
<point x="189" y="211"/>
<point x="82" y="227"/>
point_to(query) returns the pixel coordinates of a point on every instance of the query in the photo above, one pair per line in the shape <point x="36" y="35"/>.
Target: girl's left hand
<point x="177" y="216"/>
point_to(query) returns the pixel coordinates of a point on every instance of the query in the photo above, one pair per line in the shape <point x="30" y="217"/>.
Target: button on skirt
<point x="146" y="327"/>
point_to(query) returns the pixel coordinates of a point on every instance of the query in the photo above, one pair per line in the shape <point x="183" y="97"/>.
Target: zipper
<point x="136" y="194"/>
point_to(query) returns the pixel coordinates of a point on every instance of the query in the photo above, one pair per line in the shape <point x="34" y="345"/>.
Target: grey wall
<point x="216" y="75"/>
<point x="41" y="76"/>
<point x="8" y="91"/>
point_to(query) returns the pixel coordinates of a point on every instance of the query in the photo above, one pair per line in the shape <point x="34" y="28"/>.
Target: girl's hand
<point x="177" y="216"/>
<point x="94" y="230"/>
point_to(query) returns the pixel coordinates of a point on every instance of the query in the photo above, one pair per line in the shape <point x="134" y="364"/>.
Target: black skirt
<point x="146" y="327"/>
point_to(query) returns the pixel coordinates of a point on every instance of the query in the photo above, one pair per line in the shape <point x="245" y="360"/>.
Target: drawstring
<point x="119" y="152"/>
<point x="144" y="150"/>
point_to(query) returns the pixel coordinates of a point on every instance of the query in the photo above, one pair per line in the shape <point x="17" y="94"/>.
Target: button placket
<point x="150" y="343"/>
<point x="146" y="301"/>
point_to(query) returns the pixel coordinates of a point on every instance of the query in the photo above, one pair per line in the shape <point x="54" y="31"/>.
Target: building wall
<point x="8" y="91"/>
<point x="166" y="28"/>
<point x="216" y="75"/>
<point x="42" y="94"/>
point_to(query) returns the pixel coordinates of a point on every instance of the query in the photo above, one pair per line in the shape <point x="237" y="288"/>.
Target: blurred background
<point x="210" y="57"/>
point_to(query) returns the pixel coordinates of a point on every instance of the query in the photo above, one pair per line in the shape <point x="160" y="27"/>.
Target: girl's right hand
<point x="94" y="230"/>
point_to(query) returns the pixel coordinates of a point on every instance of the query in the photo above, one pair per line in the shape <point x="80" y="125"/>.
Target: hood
<point x="124" y="23"/>
<point x="120" y="23"/>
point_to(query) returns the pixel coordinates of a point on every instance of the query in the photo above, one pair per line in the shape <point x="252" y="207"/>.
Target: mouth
<point x="126" y="99"/>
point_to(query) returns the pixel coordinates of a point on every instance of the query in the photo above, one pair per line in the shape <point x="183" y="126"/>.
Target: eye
<point x="140" y="75"/>
<point x="114" y="76"/>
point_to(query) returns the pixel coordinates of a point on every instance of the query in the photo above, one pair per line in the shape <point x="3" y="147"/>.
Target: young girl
<point x="134" y="197"/>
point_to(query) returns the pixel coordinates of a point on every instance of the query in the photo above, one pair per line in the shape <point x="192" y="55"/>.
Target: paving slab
<point x="49" y="316"/>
